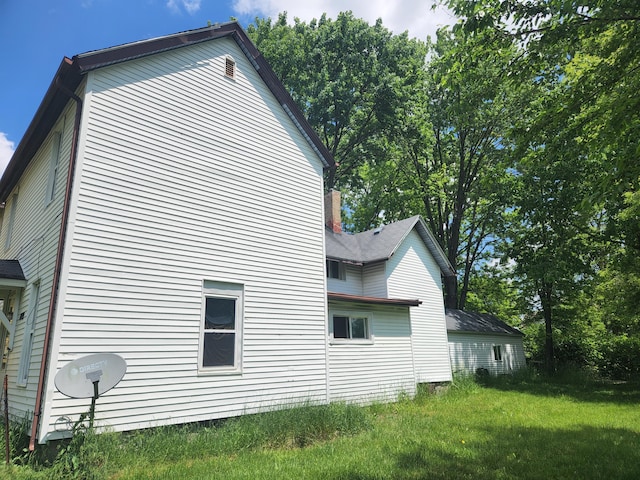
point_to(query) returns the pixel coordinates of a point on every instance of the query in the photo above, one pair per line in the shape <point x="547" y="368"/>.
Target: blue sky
<point x="36" y="34"/>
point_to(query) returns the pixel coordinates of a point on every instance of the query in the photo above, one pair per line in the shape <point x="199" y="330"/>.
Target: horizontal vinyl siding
<point x="413" y="273"/>
<point x="470" y="351"/>
<point x="190" y="176"/>
<point x="34" y="242"/>
<point x="374" y="280"/>
<point x="382" y="370"/>
<point x="352" y="284"/>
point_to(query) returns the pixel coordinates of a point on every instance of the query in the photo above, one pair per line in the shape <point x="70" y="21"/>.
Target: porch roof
<point x="11" y="274"/>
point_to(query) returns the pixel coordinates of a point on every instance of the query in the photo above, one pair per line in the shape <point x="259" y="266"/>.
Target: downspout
<point x="58" y="266"/>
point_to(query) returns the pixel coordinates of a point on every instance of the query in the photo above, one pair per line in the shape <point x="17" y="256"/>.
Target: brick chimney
<point x="332" y="217"/>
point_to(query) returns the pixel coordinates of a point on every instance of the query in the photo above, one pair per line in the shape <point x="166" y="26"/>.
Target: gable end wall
<point x="413" y="273"/>
<point x="183" y="176"/>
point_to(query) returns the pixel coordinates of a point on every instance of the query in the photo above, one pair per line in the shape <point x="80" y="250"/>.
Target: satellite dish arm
<point x="94" y="377"/>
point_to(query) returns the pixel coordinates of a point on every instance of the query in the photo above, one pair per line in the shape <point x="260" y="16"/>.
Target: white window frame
<point x="497" y="353"/>
<point x="368" y="317"/>
<point x="29" y="333"/>
<point x="222" y="290"/>
<point x="342" y="270"/>
<point x="12" y="219"/>
<point x="54" y="163"/>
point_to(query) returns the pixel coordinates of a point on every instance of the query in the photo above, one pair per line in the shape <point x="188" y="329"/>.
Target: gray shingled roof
<point x="11" y="269"/>
<point x="459" y="321"/>
<point x="381" y="243"/>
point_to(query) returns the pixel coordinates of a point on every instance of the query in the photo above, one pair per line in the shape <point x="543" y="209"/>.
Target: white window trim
<point x="54" y="163"/>
<point x="352" y="341"/>
<point x="217" y="289"/>
<point x="342" y="270"/>
<point x="28" y="337"/>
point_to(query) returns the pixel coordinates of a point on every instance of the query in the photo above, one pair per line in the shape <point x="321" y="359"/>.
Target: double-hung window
<point x="351" y="327"/>
<point x="221" y="328"/>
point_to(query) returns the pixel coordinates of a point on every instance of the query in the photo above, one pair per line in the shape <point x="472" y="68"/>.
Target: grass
<point x="527" y="427"/>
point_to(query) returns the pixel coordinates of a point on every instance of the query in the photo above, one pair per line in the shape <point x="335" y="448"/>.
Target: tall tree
<point x="348" y="77"/>
<point x="448" y="162"/>
<point x="586" y="57"/>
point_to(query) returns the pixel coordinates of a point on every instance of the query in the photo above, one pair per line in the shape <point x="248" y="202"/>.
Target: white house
<point x="482" y="341"/>
<point x="387" y="329"/>
<point x="148" y="213"/>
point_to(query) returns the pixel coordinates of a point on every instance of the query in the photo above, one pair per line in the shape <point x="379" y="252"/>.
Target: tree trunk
<point x="545" y="299"/>
<point x="450" y="292"/>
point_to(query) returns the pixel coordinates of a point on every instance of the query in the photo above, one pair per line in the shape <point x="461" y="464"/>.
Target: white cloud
<point x="6" y="151"/>
<point x="191" y="6"/>
<point x="414" y="16"/>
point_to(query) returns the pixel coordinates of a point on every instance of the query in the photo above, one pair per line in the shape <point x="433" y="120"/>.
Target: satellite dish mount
<point x="94" y="377"/>
<point x="91" y="376"/>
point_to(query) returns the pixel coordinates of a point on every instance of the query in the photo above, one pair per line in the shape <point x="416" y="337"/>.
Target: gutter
<point x="58" y="266"/>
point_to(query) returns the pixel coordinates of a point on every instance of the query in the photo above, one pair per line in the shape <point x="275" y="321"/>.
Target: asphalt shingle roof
<point x="459" y="321"/>
<point x="11" y="269"/>
<point x="380" y="244"/>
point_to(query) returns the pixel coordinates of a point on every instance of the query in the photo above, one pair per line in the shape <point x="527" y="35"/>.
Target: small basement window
<point x="336" y="270"/>
<point x="230" y="67"/>
<point x="497" y="353"/>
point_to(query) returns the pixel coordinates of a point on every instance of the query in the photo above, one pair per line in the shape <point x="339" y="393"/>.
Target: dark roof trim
<point x="434" y="247"/>
<point x="373" y="300"/>
<point x="92" y="60"/>
<point x="47" y="114"/>
<point x="71" y="71"/>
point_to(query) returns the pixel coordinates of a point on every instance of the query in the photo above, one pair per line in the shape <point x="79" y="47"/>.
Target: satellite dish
<point x="76" y="379"/>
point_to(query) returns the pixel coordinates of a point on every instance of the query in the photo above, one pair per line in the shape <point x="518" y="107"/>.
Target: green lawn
<point x="526" y="429"/>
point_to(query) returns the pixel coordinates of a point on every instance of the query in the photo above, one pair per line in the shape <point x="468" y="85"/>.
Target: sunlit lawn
<point x="534" y="429"/>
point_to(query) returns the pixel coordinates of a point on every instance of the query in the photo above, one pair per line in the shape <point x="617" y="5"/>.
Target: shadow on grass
<point x="532" y="453"/>
<point x="575" y="386"/>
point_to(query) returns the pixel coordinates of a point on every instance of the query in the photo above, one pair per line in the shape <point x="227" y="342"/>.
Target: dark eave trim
<point x="514" y="333"/>
<point x="373" y="300"/>
<point x="101" y="58"/>
<point x="70" y="73"/>
<point x="47" y="114"/>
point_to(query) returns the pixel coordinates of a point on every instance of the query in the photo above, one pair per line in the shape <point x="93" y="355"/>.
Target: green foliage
<point x="88" y="455"/>
<point x="18" y="441"/>
<point x="574" y="229"/>
<point x="351" y="80"/>
<point x="499" y="429"/>
<point x="492" y="290"/>
<point x="83" y="456"/>
<point x="447" y="162"/>
<point x="621" y="357"/>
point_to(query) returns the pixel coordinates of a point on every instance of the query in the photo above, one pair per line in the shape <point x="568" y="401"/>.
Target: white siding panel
<point x="34" y="242"/>
<point x="470" y="351"/>
<point x="379" y="371"/>
<point x="352" y="284"/>
<point x="413" y="273"/>
<point x="188" y="176"/>
<point x="374" y="280"/>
